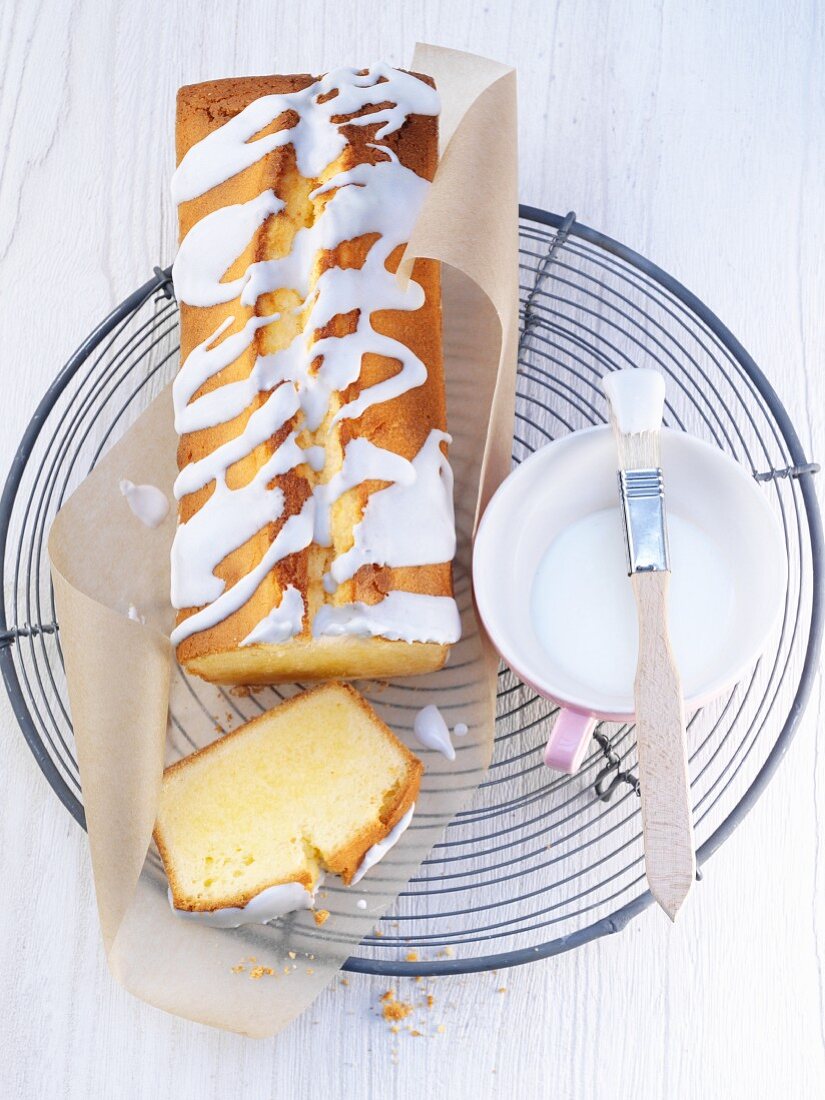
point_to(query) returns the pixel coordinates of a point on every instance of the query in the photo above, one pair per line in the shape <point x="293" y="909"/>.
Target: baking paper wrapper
<point x="133" y="709"/>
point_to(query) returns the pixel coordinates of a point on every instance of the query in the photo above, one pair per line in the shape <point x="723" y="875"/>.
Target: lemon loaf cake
<point x="247" y="826"/>
<point x="316" y="528"/>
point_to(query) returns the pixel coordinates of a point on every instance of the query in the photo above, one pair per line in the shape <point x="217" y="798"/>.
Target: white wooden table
<point x="692" y="132"/>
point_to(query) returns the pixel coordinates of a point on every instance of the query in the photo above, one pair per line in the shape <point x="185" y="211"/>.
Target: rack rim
<point x="618" y="920"/>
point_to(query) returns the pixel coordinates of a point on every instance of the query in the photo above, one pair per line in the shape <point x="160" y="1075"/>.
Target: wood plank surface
<point x="691" y="131"/>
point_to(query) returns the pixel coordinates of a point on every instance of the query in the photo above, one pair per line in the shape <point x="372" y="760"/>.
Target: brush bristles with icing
<point x="316" y="531"/>
<point x="637" y="452"/>
<point x="636" y="399"/>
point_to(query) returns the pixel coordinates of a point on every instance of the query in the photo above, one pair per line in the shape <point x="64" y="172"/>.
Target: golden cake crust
<point x="401" y="424"/>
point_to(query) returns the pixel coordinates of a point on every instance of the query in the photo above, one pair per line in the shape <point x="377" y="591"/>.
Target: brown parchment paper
<point x="133" y="710"/>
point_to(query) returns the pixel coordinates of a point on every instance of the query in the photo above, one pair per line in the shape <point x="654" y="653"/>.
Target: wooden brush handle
<point x="667" y="820"/>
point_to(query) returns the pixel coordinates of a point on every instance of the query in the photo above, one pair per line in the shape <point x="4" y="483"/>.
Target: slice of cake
<point x="318" y="784"/>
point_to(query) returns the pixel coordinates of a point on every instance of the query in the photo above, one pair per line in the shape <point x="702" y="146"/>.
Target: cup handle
<point x="569" y="740"/>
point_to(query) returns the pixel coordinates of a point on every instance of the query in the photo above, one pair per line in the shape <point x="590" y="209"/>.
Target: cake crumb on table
<point x="239" y="969"/>
<point x="393" y="1009"/>
<point x="412" y="956"/>
<point x="259" y="971"/>
<point x="321" y="916"/>
<point x="397" y="1010"/>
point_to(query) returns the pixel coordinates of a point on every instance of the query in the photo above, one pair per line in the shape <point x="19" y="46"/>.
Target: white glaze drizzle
<point x="277" y="410"/>
<point x="382" y="198"/>
<point x="432" y="731"/>
<point x="268" y="905"/>
<point x="393" y="530"/>
<point x="147" y="502"/>
<point x="461" y="729"/>
<point x="363" y="461"/>
<point x="377" y="852"/>
<point x="400" y="617"/>
<point x="295" y="535"/>
<point x="206" y="360"/>
<point x="213" y="244"/>
<point x="316" y="139"/>
<point x="282" y="622"/>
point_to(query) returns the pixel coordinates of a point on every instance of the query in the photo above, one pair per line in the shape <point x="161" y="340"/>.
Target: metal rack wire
<point x="538" y="863"/>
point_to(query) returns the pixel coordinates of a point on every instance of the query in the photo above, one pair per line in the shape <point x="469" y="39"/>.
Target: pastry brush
<point x="636" y="399"/>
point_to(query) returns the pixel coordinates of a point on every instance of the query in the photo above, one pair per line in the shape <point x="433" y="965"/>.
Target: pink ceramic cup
<point x="574" y="478"/>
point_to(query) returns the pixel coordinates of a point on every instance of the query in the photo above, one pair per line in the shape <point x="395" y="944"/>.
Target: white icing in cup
<point x="584" y="613"/>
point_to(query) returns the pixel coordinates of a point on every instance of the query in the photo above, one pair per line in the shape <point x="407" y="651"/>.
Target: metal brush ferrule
<point x="643" y="507"/>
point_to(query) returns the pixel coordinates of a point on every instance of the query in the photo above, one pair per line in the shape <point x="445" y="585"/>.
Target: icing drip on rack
<point x="433" y="732"/>
<point x="147" y="502"/>
<point x="384" y="199"/>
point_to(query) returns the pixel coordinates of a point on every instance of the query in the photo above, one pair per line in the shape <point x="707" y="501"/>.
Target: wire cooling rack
<point x="538" y="863"/>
